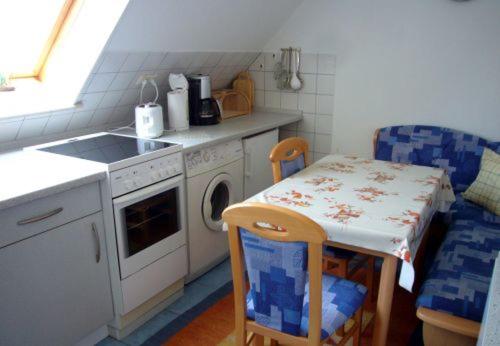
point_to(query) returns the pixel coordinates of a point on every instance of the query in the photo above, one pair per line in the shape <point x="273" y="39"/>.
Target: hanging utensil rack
<point x="285" y="69"/>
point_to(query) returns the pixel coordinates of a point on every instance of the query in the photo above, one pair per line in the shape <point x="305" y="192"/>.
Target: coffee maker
<point x="203" y="109"/>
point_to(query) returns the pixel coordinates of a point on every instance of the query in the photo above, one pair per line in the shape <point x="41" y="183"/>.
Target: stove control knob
<point x="206" y="156"/>
<point x="155" y="175"/>
<point x="128" y="184"/>
<point x="137" y="181"/>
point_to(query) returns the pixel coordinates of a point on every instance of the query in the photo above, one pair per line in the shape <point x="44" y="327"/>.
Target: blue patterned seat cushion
<point x="293" y="166"/>
<point x="459" y="278"/>
<point x="278" y="296"/>
<point x="463" y="209"/>
<point x="457" y="152"/>
<point x="341" y="299"/>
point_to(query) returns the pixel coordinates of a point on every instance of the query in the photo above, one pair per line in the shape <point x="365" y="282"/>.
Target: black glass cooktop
<point x="107" y="148"/>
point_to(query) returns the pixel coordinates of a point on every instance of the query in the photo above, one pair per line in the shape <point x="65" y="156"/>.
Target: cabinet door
<point x="258" y="171"/>
<point x="54" y="290"/>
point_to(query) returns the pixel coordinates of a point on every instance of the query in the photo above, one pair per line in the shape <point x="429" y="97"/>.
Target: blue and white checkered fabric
<point x="291" y="167"/>
<point x="457" y="152"/>
<point x="278" y="296"/>
<point x="459" y="278"/>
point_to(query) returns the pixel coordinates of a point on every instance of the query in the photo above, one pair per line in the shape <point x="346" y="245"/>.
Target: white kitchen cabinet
<point x="258" y="171"/>
<point x="55" y="286"/>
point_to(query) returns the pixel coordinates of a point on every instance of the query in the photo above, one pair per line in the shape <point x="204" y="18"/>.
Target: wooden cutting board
<point x="244" y="84"/>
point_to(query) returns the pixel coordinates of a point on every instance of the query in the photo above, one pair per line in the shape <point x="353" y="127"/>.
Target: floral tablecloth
<point x="372" y="204"/>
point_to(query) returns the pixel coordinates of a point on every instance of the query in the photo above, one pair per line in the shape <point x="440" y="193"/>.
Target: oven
<point x="149" y="224"/>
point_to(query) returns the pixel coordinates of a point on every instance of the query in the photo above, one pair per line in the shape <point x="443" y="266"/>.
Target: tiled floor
<point x="194" y="293"/>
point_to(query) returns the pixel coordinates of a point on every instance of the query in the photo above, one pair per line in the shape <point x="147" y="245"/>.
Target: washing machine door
<point x="218" y="196"/>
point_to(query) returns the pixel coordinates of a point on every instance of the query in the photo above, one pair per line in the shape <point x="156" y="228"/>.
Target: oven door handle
<point x="148" y="191"/>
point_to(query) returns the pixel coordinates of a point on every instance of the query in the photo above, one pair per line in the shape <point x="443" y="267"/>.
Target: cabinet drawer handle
<point x="39" y="217"/>
<point x="97" y="242"/>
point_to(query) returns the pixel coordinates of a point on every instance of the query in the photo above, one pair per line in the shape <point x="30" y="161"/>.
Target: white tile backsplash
<point x="122" y="80"/>
<point x="272" y="99"/>
<point x="325" y="84"/>
<point x="110" y="93"/>
<point x="308" y="63"/>
<point x="270" y="60"/>
<point x="324" y="104"/>
<point x="57" y="123"/>
<point x="326" y="64"/>
<point x="315" y="99"/>
<point x="324" y="124"/>
<point x="101" y="82"/>
<point x="258" y="79"/>
<point x="111" y="99"/>
<point x="112" y="61"/>
<point x="32" y="127"/>
<point x="308" y="83"/>
<point x="308" y="123"/>
<point x="91" y="101"/>
<point x="259" y="98"/>
<point x="289" y="100"/>
<point x="153" y="60"/>
<point x="9" y="129"/>
<point x="80" y="120"/>
<point x="134" y="61"/>
<point x="307" y="103"/>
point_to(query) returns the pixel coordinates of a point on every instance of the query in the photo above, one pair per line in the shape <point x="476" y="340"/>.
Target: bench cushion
<point x="457" y="152"/>
<point x="459" y="278"/>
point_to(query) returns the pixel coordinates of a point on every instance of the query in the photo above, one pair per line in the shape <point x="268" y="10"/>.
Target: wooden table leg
<point x="384" y="301"/>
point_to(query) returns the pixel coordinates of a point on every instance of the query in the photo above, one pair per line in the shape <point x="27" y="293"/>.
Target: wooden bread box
<point x="234" y="103"/>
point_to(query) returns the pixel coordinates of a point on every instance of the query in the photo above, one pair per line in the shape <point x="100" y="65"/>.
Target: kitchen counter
<point x="26" y="175"/>
<point x="236" y="128"/>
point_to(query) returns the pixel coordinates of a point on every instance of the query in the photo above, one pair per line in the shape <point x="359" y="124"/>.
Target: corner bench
<point x="452" y="299"/>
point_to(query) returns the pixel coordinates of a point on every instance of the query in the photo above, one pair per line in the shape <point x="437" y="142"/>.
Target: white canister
<point x="149" y="120"/>
<point x="178" y="110"/>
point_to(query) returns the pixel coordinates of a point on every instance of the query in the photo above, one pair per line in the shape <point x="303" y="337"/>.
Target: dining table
<point x="372" y="207"/>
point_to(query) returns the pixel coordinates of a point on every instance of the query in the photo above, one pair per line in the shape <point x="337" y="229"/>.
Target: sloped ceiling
<point x="200" y="25"/>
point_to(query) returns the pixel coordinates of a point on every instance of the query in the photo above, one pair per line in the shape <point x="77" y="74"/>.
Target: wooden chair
<point x="290" y="300"/>
<point x="289" y="157"/>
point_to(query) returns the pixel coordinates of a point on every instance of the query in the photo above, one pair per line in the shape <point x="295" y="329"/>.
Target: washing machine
<point x="214" y="180"/>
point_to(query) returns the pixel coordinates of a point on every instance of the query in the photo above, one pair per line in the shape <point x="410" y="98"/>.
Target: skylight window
<point x="29" y="30"/>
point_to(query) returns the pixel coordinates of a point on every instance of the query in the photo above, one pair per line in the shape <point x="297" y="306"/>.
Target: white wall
<point x="200" y="25"/>
<point x="404" y="62"/>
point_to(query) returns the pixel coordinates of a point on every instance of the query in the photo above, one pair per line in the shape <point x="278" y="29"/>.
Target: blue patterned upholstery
<point x="463" y="209"/>
<point x="278" y="296"/>
<point x="338" y="252"/>
<point x="459" y="278"/>
<point x="293" y="166"/>
<point x="457" y="152"/>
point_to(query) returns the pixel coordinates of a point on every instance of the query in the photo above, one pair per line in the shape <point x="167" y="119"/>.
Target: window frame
<point x="61" y="21"/>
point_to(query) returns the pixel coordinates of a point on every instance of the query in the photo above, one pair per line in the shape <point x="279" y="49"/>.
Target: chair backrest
<point x="457" y="152"/>
<point x="279" y="258"/>
<point x="288" y="157"/>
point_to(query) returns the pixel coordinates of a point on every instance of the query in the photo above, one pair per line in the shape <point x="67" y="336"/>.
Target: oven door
<point x="150" y="223"/>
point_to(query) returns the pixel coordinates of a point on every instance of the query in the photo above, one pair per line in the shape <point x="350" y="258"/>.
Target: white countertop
<point x="30" y="174"/>
<point x="201" y="136"/>
<point x="490" y="327"/>
<point x="26" y="175"/>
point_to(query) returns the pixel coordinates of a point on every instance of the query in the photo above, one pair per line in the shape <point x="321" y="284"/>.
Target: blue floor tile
<point x="109" y="341"/>
<point x="193" y="294"/>
<point x="149" y="328"/>
<point x="218" y="276"/>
